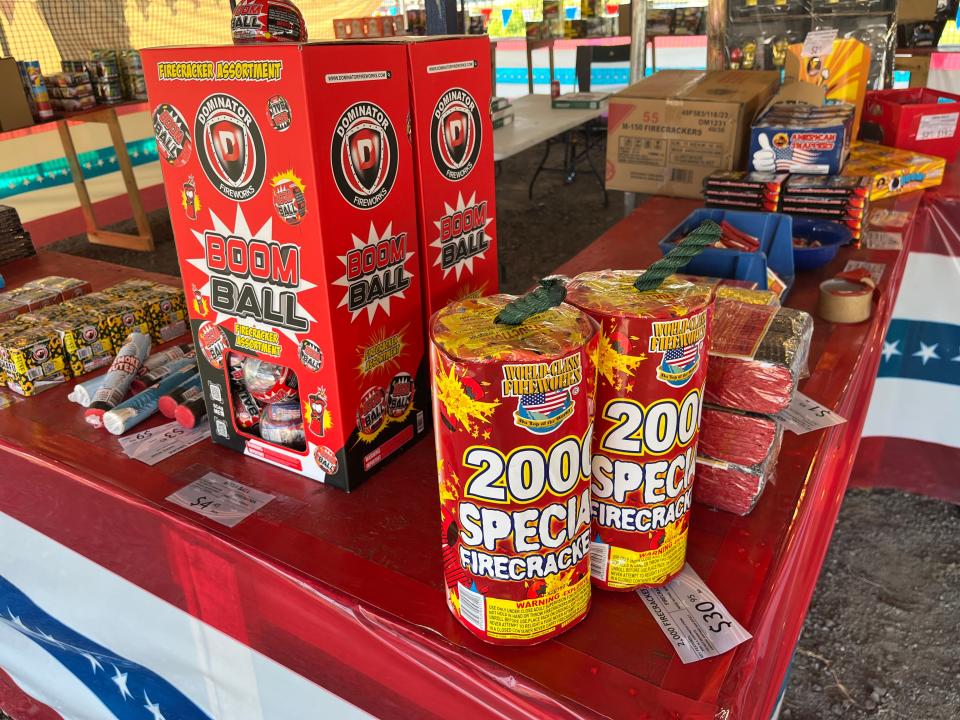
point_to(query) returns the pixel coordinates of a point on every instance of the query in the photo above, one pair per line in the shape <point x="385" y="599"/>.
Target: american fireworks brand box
<point x="289" y="177"/>
<point x="453" y="142"/>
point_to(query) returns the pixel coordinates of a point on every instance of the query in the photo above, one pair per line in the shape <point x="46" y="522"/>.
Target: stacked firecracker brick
<point x="758" y="353"/>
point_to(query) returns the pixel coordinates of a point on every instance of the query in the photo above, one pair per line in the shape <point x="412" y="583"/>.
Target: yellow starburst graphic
<point x="185" y="203"/>
<point x="289" y="177"/>
<point x="382" y="350"/>
<point x="616" y="367"/>
<point x="459" y="405"/>
<point x="308" y="416"/>
<point x="560" y="581"/>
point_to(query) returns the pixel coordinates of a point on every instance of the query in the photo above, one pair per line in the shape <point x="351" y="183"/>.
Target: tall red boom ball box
<point x="453" y="141"/>
<point x="289" y="175"/>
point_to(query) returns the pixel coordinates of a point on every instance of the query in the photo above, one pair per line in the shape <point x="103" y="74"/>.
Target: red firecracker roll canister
<point x="652" y="366"/>
<point x="514" y="408"/>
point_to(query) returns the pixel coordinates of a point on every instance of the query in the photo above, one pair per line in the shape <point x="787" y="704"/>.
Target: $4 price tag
<point x="220" y="498"/>
<point x="695" y="622"/>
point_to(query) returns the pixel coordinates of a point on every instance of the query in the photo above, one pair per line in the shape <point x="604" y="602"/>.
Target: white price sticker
<point x="875" y="269"/>
<point x="819" y="43"/>
<point x="880" y="240"/>
<point x="692" y="618"/>
<point x="156" y="444"/>
<point x="882" y="217"/>
<point x="938" y="127"/>
<point x="805" y="415"/>
<point x="221" y="499"/>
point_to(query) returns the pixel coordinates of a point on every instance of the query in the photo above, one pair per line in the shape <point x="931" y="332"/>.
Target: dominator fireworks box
<point x="453" y="141"/>
<point x="289" y="177"/>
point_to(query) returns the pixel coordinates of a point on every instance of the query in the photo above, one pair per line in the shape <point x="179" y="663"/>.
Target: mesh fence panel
<point x="55" y="30"/>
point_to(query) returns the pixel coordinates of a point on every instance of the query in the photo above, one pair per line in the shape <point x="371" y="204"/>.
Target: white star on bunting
<point x="890" y="349"/>
<point x="94" y="663"/>
<point x="153" y="708"/>
<point x="927" y="352"/>
<point x="120" y="680"/>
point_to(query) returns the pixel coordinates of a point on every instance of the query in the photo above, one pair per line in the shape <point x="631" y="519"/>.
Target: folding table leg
<point x="543" y="161"/>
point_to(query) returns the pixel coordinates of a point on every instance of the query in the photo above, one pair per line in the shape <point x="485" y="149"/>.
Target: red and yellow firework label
<point x="652" y="364"/>
<point x="514" y="408"/>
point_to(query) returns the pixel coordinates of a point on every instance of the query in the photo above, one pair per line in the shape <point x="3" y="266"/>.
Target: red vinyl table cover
<point x="345" y="592"/>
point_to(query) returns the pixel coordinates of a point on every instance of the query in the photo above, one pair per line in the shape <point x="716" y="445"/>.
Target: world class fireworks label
<point x="514" y="444"/>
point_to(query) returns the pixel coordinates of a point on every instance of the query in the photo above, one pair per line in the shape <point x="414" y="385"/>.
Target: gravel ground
<point x="879" y="640"/>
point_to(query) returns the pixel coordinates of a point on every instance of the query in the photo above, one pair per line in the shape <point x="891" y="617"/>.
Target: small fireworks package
<point x="166" y="311"/>
<point x="740" y="190"/>
<point x="801" y="138"/>
<point x="893" y="171"/>
<point x="514" y="408"/>
<point x="758" y="354"/>
<point x="117" y="317"/>
<point x="10" y="307"/>
<point x="652" y="364"/>
<point x="33" y="298"/>
<point x="731" y="487"/>
<point x="67" y="288"/>
<point x="84" y="337"/>
<point x="33" y="359"/>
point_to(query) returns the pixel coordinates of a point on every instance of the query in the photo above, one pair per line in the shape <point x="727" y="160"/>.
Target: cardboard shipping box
<point x="669" y="131"/>
<point x="917" y="65"/>
<point x="15" y="109"/>
<point x="910" y="11"/>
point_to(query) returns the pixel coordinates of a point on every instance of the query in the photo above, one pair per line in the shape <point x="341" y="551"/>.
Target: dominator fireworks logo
<point x="375" y="272"/>
<point x="364" y="155"/>
<point x="231" y="147"/>
<point x="455" y="134"/>
<point x="680" y="343"/>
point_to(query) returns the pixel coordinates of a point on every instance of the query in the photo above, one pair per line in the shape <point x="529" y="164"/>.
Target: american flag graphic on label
<point x="681" y="344"/>
<point x="789" y="159"/>
<point x="545" y="392"/>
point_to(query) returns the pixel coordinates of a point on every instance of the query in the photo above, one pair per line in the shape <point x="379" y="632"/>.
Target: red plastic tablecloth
<point x="347" y="589"/>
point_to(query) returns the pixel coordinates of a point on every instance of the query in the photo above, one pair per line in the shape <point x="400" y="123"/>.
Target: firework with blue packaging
<point x="133" y="411"/>
<point x="802" y="139"/>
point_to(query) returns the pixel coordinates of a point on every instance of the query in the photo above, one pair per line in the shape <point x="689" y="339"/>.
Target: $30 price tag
<point x="695" y="622"/>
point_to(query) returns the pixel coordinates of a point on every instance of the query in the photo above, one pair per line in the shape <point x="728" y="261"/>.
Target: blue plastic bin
<point x="773" y="230"/>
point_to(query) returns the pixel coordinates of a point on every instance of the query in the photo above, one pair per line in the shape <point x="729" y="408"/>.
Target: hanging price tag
<point x="819" y="43"/>
<point x="692" y="618"/>
<point x="156" y="444"/>
<point x="221" y="499"/>
<point x="805" y="415"/>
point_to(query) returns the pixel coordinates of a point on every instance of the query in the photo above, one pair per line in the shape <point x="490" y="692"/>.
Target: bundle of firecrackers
<point x="113" y="75"/>
<point x="758" y="355"/>
<point x="54" y="328"/>
<point x="15" y="241"/>
<point x="70" y="91"/>
<point x="891" y="171"/>
<point x="733" y="238"/>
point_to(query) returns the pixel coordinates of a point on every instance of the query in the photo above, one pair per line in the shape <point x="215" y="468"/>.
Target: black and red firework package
<point x="731" y="487"/>
<point x="758" y="354"/>
<point x="757" y="182"/>
<point x="256" y="21"/>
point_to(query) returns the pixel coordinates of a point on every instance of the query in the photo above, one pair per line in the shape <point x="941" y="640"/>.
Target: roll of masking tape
<point x="842" y="301"/>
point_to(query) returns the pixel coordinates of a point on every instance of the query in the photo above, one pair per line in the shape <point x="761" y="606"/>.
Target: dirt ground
<point x="880" y="640"/>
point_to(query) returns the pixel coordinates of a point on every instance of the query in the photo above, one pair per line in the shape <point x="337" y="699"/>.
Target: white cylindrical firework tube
<point x="164" y="356"/>
<point x="83" y="392"/>
<point x="138" y="408"/>
<point x="124" y="369"/>
<point x="514" y="408"/>
<point x="159" y="372"/>
<point x="652" y="367"/>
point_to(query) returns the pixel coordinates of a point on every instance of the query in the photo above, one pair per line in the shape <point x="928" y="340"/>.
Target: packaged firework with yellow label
<point x="652" y="365"/>
<point x="514" y="408"/>
<point x="33" y="360"/>
<point x="166" y="312"/>
<point x="66" y="287"/>
<point x="86" y="346"/>
<point x="894" y="171"/>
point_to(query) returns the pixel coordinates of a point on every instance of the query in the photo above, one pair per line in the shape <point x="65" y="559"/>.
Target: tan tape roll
<point x="842" y="301"/>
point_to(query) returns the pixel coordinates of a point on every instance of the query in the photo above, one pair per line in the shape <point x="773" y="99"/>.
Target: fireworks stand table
<point x="346" y="590"/>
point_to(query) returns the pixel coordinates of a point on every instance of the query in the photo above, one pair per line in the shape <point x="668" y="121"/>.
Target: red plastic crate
<point x="918" y="119"/>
